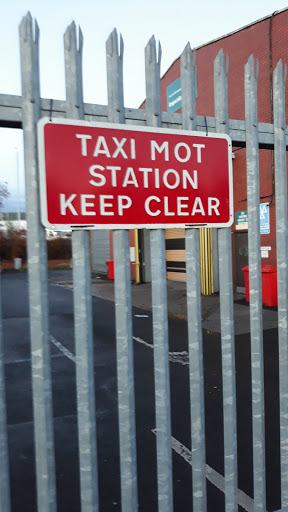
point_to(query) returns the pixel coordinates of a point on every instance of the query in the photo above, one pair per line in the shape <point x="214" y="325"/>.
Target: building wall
<point x="259" y="39"/>
<point x="100" y="241"/>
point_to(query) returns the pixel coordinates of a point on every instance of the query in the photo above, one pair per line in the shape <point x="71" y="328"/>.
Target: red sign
<point x="118" y="176"/>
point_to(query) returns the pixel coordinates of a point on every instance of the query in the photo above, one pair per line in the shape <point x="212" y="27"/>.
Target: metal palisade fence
<point x="25" y="111"/>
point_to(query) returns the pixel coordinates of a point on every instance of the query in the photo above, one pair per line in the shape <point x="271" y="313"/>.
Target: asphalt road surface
<point x="20" y="415"/>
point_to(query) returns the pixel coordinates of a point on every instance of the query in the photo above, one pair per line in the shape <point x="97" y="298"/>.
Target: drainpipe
<point x="271" y="105"/>
<point x="137" y="262"/>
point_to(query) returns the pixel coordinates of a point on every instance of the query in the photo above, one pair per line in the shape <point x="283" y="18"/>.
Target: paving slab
<point x="241" y="319"/>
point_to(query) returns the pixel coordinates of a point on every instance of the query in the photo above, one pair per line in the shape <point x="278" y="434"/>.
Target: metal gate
<point x="25" y="112"/>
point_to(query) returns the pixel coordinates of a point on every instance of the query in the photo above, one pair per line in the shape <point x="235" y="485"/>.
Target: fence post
<point x="255" y="284"/>
<point x="226" y="310"/>
<point x="282" y="254"/>
<point x="37" y="268"/>
<point x="5" y="505"/>
<point x="82" y="301"/>
<point x="189" y="122"/>
<point x="159" y="304"/>
<point x="123" y="307"/>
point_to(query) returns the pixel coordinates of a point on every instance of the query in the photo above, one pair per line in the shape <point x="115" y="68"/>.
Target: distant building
<point x="11" y="219"/>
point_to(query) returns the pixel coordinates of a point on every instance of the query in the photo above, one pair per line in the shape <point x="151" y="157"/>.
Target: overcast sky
<point x="174" y="23"/>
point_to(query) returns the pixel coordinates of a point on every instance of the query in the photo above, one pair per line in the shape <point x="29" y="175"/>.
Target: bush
<point x="19" y="247"/>
<point x="59" y="249"/>
<point x="12" y="243"/>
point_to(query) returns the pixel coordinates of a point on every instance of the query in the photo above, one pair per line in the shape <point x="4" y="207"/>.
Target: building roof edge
<point x="226" y="35"/>
<point x="231" y="34"/>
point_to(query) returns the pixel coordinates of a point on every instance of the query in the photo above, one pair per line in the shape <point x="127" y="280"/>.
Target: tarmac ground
<point x="17" y="358"/>
<point x="176" y="301"/>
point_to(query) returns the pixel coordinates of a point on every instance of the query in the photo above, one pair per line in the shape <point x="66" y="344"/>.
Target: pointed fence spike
<point x="73" y="35"/>
<point x="114" y="63"/>
<point x="227" y="313"/>
<point x="29" y="18"/>
<point x="70" y="39"/>
<point x="150" y="50"/>
<point x="221" y="55"/>
<point x="252" y="164"/>
<point x="26" y="29"/>
<point x="66" y="37"/>
<point x="121" y="47"/>
<point x="80" y="39"/>
<point x="152" y="40"/>
<point x="227" y="65"/>
<point x="109" y="45"/>
<point x="279" y="73"/>
<point x="73" y="42"/>
<point x="187" y="48"/>
<point x="86" y="423"/>
<point x="285" y="74"/>
<point x="39" y="317"/>
<point x="112" y="43"/>
<point x="280" y="159"/>
<point x="249" y="67"/>
<point x="159" y="53"/>
<point x="22" y="28"/>
<point x="219" y="62"/>
<point x="36" y="32"/>
<point x="71" y="28"/>
<point x="247" y="71"/>
<point x="194" y="57"/>
<point x="277" y="69"/>
<point x="257" y="70"/>
<point x="186" y="56"/>
<point x="29" y="26"/>
<point x="148" y="56"/>
<point x="114" y="39"/>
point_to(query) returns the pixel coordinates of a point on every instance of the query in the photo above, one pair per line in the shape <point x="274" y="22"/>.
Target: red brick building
<point x="267" y="40"/>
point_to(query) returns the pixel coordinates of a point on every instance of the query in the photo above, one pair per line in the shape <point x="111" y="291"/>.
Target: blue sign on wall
<point x="264" y="219"/>
<point x="174" y="96"/>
